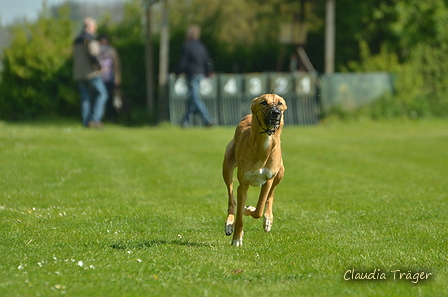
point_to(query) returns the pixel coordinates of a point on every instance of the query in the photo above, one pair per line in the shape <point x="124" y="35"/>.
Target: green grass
<point x="141" y="211"/>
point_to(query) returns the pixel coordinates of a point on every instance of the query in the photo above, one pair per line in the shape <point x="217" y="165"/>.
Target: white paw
<point x="267" y="224"/>
<point x="237" y="242"/>
<point x="248" y="210"/>
<point x="229" y="228"/>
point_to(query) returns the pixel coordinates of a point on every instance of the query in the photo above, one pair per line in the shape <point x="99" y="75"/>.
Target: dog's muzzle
<point x="272" y="116"/>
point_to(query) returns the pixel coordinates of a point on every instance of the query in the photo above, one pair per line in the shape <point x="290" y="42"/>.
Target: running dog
<point x="255" y="150"/>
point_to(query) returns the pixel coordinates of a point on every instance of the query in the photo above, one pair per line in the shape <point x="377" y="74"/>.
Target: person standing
<point x="195" y="62"/>
<point x="111" y="73"/>
<point x="87" y="74"/>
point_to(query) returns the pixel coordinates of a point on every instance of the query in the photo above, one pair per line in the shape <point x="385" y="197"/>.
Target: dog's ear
<point x="285" y="107"/>
<point x="253" y="104"/>
<point x="283" y="103"/>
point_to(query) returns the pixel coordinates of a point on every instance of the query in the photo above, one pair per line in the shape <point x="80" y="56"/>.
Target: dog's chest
<point x="257" y="178"/>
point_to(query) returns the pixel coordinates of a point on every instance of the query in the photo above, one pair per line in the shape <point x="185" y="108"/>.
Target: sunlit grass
<point x="140" y="212"/>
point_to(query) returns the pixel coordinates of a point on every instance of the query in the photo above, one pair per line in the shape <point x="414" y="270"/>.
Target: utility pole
<point x="163" y="64"/>
<point x="157" y="110"/>
<point x="329" y="36"/>
<point x="149" y="61"/>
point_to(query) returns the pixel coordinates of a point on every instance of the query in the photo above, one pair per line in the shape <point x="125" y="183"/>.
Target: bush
<point x="37" y="79"/>
<point x="421" y="82"/>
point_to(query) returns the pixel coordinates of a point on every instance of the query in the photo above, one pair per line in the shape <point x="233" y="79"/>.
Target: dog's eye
<point x="264" y="103"/>
<point x="280" y="103"/>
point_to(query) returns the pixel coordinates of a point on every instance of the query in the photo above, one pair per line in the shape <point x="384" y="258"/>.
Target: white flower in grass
<point x="80" y="263"/>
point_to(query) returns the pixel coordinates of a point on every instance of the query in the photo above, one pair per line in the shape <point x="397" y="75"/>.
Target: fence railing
<point x="350" y="91"/>
<point x="228" y="96"/>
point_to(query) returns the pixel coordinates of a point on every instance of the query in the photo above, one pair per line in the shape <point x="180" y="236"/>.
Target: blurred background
<point x="375" y="59"/>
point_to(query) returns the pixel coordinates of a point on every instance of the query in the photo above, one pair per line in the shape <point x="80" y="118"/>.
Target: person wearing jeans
<point x="195" y="104"/>
<point x="92" y="107"/>
<point x="87" y="74"/>
<point x="195" y="62"/>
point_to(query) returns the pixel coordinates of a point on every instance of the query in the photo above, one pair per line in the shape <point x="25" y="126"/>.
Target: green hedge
<point x="36" y="79"/>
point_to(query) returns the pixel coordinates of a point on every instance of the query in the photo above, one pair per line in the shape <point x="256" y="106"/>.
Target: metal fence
<point x="228" y="96"/>
<point x="350" y="91"/>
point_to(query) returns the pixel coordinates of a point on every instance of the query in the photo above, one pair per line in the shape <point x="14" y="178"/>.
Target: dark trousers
<point x="111" y="112"/>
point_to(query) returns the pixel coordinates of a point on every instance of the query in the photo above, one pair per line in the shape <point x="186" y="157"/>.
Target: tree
<point x="414" y="33"/>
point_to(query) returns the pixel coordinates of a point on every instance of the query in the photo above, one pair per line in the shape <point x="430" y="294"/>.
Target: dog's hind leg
<point x="228" y="167"/>
<point x="257" y="212"/>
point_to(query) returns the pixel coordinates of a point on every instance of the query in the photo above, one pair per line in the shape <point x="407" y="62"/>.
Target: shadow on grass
<point x="156" y="243"/>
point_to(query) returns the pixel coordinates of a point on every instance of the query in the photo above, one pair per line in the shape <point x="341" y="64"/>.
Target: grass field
<point x="141" y="211"/>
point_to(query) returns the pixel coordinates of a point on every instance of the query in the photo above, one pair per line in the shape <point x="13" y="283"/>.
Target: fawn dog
<point x="255" y="150"/>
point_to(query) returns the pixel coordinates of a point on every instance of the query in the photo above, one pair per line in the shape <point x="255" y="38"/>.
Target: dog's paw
<point x="248" y="210"/>
<point x="267" y="223"/>
<point x="229" y="228"/>
<point x="237" y="242"/>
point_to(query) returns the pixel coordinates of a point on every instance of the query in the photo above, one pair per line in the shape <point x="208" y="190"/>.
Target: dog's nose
<point x="275" y="113"/>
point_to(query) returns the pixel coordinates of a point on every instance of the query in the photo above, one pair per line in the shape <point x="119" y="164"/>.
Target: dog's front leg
<point x="268" y="219"/>
<point x="228" y="167"/>
<point x="230" y="221"/>
<point x="241" y="200"/>
<point x="268" y="216"/>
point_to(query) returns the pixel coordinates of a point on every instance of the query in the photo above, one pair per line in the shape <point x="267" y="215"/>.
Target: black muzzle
<point x="272" y="116"/>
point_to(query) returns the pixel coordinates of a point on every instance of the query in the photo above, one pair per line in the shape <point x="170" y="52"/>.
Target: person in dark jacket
<point x="195" y="62"/>
<point x="87" y="74"/>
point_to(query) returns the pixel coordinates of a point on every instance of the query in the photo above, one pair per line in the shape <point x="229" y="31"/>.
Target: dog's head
<point x="268" y="110"/>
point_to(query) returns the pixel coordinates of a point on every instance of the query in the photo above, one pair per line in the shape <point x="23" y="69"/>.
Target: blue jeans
<point x="195" y="103"/>
<point x="93" y="94"/>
